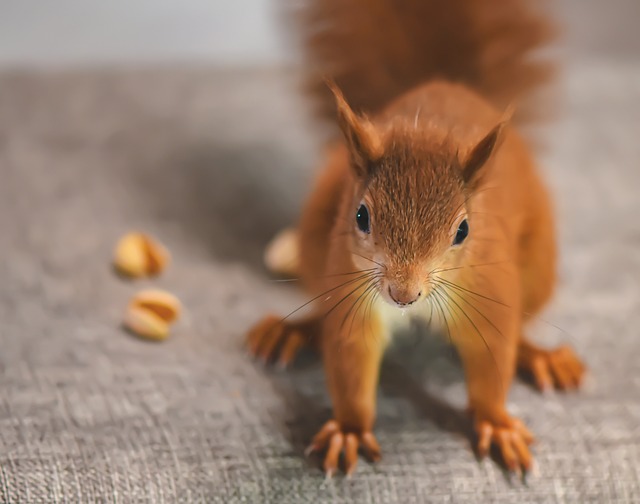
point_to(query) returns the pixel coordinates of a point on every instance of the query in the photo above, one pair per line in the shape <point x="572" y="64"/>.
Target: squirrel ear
<point x="482" y="152"/>
<point x="363" y="141"/>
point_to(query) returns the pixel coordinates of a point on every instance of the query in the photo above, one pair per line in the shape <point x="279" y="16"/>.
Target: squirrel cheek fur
<point x="436" y="155"/>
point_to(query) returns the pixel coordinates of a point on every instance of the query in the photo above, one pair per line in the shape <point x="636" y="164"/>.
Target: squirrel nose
<point x="403" y="296"/>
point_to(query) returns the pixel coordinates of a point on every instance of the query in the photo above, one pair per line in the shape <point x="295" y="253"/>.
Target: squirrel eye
<point x="461" y="234"/>
<point x="362" y="219"/>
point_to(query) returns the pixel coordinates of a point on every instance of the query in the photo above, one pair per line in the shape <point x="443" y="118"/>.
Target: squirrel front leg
<point x="352" y="348"/>
<point x="487" y="331"/>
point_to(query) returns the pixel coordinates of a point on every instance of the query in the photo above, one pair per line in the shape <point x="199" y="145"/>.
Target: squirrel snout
<point x="404" y="296"/>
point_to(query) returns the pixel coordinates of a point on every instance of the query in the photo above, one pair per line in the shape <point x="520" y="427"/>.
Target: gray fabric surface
<point x="213" y="164"/>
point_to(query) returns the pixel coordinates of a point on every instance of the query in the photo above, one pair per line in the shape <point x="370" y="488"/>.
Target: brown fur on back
<point x="375" y="50"/>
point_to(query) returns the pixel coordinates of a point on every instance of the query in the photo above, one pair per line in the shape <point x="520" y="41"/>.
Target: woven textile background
<point x="213" y="164"/>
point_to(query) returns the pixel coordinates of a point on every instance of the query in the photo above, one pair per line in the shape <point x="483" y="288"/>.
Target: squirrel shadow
<point x="402" y="379"/>
<point x="406" y="371"/>
<point x="228" y="201"/>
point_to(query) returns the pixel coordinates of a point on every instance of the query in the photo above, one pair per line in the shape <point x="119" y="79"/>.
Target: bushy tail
<point x="376" y="49"/>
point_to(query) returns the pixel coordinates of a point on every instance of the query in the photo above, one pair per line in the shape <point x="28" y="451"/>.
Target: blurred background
<point x="231" y="33"/>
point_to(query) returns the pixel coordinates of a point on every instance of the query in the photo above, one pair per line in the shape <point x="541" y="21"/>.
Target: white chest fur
<point x="398" y="319"/>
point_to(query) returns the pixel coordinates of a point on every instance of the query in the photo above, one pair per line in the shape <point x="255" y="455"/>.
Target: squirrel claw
<point x="335" y="441"/>
<point x="559" y="368"/>
<point x="308" y="451"/>
<point x="274" y="339"/>
<point x="511" y="438"/>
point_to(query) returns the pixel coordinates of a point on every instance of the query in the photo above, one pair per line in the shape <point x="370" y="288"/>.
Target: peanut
<point x="151" y="312"/>
<point x="139" y="255"/>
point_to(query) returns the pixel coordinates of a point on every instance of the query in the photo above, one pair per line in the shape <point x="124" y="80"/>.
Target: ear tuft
<point x="484" y="150"/>
<point x="363" y="140"/>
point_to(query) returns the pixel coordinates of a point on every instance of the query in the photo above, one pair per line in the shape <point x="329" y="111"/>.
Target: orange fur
<point x="431" y="154"/>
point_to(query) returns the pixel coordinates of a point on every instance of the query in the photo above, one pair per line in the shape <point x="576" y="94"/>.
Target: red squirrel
<point x="429" y="204"/>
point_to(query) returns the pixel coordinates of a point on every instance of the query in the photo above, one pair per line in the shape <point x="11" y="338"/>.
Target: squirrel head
<point x="408" y="216"/>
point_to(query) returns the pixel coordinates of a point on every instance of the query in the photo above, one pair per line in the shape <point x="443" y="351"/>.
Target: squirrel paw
<point x="509" y="435"/>
<point x="560" y="368"/>
<point x="334" y="440"/>
<point x="274" y="339"/>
